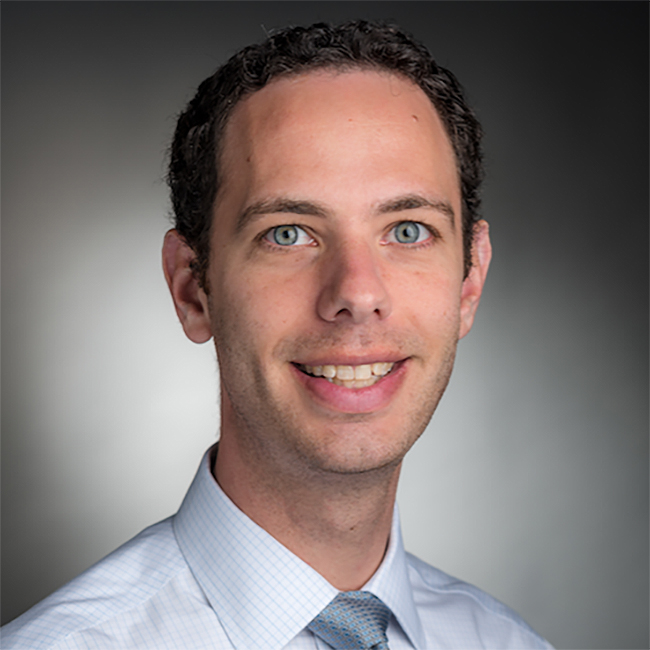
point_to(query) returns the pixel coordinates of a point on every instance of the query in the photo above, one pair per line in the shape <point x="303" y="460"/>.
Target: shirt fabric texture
<point x="210" y="578"/>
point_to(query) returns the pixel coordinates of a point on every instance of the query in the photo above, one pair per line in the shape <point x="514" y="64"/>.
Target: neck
<point x="339" y="524"/>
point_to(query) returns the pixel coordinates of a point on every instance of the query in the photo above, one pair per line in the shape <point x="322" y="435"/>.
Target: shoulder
<point x="123" y="580"/>
<point x="466" y="615"/>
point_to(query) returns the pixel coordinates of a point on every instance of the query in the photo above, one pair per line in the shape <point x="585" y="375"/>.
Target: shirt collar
<point x="391" y="584"/>
<point x="258" y="588"/>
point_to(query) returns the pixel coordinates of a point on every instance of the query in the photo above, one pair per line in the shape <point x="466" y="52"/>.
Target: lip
<point x="353" y="400"/>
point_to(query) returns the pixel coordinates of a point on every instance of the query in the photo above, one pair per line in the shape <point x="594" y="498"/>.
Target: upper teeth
<point x="370" y="371"/>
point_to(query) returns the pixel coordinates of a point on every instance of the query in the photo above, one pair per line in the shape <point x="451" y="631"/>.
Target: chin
<point x="358" y="450"/>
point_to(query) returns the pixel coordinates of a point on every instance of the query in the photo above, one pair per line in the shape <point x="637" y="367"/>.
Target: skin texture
<point x="345" y="157"/>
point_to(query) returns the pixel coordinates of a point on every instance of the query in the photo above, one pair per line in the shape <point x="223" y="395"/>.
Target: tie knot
<point x="354" y="620"/>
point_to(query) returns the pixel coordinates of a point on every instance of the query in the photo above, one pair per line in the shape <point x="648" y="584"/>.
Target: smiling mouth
<point x="350" y="376"/>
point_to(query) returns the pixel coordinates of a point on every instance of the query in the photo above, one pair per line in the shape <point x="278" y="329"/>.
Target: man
<point x="325" y="187"/>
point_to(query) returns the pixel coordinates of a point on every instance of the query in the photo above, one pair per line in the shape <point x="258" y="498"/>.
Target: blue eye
<point x="288" y="236"/>
<point x="285" y="235"/>
<point x="409" y="232"/>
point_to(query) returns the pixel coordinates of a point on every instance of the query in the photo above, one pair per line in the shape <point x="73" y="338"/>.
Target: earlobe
<point x="190" y="300"/>
<point x="473" y="283"/>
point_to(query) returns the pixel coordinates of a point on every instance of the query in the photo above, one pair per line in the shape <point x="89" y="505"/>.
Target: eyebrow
<point x="415" y="201"/>
<point x="291" y="206"/>
<point x="275" y="206"/>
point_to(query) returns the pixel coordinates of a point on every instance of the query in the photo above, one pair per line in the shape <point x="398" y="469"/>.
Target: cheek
<point x="431" y="298"/>
<point x="263" y="306"/>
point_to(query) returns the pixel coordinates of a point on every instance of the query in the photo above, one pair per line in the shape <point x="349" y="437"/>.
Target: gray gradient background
<point x="532" y="480"/>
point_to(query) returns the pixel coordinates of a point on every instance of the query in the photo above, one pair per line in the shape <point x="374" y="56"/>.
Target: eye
<point x="288" y="236"/>
<point x="409" y="232"/>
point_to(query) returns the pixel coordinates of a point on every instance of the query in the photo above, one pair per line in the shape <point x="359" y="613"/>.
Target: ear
<point x="190" y="300"/>
<point x="473" y="283"/>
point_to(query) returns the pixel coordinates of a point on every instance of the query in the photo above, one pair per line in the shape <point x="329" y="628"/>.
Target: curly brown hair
<point x="194" y="176"/>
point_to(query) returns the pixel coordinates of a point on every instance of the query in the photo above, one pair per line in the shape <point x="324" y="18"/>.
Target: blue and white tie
<point x="354" y="620"/>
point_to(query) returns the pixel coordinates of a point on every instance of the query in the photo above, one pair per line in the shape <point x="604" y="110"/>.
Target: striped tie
<point x="354" y="620"/>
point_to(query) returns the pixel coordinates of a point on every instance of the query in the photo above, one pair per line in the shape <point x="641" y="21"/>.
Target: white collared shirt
<point x="210" y="578"/>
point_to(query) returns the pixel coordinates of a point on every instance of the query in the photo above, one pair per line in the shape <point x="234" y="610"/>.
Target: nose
<point x="353" y="289"/>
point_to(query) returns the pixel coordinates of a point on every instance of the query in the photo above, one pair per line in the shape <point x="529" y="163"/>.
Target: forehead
<point x="332" y="96"/>
<point x="331" y="125"/>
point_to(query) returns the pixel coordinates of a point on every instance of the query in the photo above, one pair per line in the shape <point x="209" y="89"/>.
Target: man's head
<point x="196" y="172"/>
<point x="337" y="255"/>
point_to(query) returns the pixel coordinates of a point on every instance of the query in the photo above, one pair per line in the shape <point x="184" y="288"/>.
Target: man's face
<point x="336" y="248"/>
